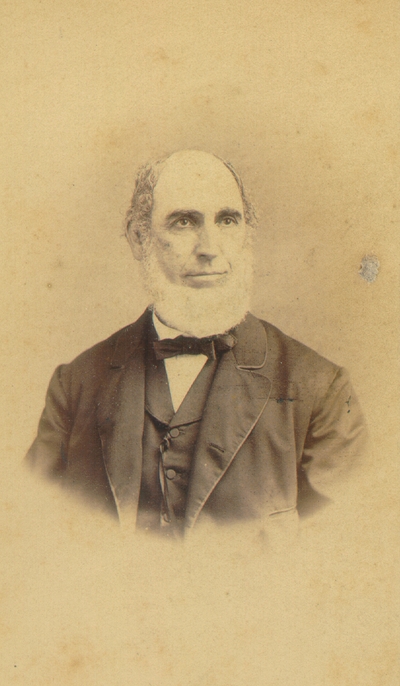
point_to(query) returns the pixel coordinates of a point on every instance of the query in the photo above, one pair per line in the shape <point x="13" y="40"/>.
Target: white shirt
<point x="182" y="370"/>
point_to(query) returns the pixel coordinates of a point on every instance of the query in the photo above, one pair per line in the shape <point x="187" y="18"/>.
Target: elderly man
<point x="198" y="411"/>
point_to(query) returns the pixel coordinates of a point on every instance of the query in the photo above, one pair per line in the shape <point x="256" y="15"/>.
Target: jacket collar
<point x="250" y="351"/>
<point x="131" y="340"/>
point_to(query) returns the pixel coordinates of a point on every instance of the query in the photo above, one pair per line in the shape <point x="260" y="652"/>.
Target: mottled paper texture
<point x="302" y="97"/>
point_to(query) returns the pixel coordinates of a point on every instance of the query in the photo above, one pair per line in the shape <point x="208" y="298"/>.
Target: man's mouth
<point x="204" y="279"/>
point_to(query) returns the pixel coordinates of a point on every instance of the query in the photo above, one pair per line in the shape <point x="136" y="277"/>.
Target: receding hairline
<point x="188" y="153"/>
<point x="140" y="210"/>
<point x="160" y="165"/>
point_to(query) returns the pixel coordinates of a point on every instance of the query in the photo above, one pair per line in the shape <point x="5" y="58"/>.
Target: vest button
<point x="174" y="433"/>
<point x="170" y="473"/>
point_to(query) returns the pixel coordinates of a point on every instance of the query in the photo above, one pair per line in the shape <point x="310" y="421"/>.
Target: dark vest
<point x="169" y="441"/>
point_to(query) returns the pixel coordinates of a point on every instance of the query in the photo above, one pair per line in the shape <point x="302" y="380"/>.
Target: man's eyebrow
<point x="228" y="212"/>
<point x="192" y="214"/>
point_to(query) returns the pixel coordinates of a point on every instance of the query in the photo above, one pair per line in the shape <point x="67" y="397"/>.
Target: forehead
<point x="195" y="181"/>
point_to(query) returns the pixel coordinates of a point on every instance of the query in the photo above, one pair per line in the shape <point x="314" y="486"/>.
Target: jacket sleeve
<point x="48" y="453"/>
<point x="335" y="445"/>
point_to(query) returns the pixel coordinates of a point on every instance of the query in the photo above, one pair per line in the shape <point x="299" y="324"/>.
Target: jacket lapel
<point x="120" y="418"/>
<point x="238" y="396"/>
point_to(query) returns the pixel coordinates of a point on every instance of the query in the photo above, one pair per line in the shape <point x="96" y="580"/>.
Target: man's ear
<point x="136" y="244"/>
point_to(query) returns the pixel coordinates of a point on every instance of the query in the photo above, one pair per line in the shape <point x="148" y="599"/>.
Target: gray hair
<point x="138" y="217"/>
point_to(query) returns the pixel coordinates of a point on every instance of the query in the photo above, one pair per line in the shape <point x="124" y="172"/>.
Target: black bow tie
<point x="184" y="345"/>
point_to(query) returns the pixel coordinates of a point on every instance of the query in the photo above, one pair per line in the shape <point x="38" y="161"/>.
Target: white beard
<point x="200" y="311"/>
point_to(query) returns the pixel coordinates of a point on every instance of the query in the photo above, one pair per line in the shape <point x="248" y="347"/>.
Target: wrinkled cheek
<point x="171" y="265"/>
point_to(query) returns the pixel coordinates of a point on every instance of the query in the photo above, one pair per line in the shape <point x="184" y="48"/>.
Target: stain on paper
<point x="369" y="268"/>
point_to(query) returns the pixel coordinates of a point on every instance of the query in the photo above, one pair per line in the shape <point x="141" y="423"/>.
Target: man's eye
<point x="183" y="222"/>
<point x="228" y="221"/>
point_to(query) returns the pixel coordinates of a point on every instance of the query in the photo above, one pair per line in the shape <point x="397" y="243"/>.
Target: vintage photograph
<point x="198" y="409"/>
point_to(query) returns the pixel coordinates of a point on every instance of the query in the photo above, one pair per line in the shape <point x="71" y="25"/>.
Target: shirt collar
<point x="164" y="331"/>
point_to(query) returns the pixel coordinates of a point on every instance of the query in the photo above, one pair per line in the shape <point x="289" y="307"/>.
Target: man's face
<point x="197" y="259"/>
<point x="198" y="229"/>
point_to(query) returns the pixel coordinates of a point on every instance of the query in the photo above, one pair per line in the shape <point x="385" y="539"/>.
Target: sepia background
<point x="302" y="97"/>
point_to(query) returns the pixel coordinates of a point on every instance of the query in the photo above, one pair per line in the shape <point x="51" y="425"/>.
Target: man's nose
<point x="207" y="246"/>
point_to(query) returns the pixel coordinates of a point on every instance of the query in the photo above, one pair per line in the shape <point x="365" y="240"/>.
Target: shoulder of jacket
<point x="297" y="356"/>
<point x="102" y="353"/>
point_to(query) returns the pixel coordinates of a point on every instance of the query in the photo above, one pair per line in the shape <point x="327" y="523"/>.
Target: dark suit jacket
<point x="281" y="428"/>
